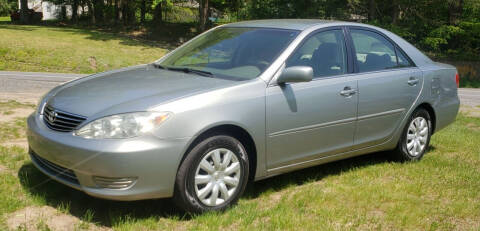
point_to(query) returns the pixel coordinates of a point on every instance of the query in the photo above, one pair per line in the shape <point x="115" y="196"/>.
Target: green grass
<point x="5" y="19"/>
<point x="11" y="130"/>
<point x="12" y="104"/>
<point x="70" y="50"/>
<point x="441" y="192"/>
<point x="469" y="83"/>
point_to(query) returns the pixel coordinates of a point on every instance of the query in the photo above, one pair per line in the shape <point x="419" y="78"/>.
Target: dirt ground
<point x="46" y="218"/>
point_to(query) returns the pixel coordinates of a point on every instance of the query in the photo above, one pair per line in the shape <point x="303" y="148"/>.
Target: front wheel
<point x="213" y="175"/>
<point x="415" y="137"/>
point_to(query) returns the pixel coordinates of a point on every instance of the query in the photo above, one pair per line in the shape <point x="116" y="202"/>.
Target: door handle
<point x="348" y="91"/>
<point x="412" y="81"/>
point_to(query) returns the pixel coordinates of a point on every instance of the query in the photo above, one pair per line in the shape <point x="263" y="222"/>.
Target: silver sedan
<point x="238" y="103"/>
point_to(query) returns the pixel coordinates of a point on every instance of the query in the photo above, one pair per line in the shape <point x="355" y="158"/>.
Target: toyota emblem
<point x="52" y="117"/>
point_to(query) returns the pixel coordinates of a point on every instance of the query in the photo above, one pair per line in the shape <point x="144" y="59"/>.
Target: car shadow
<point x="107" y="213"/>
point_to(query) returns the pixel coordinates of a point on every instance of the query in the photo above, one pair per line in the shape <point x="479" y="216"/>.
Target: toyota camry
<point x="239" y="103"/>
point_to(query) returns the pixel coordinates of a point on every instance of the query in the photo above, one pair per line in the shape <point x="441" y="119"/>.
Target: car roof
<point x="289" y="24"/>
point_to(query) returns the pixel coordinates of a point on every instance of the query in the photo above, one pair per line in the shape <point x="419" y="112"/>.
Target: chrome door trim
<point x="396" y="111"/>
<point x="311" y="127"/>
<point x="321" y="125"/>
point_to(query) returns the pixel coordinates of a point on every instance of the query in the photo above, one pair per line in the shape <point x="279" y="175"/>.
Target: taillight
<point x="457" y="79"/>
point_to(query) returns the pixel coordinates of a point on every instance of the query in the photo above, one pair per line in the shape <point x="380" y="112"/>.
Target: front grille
<point x="59" y="171"/>
<point x="61" y="121"/>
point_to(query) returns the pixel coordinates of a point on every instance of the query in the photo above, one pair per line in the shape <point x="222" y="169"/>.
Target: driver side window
<point x="325" y="52"/>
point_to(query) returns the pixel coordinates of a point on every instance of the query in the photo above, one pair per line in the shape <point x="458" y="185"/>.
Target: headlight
<point x="122" y="125"/>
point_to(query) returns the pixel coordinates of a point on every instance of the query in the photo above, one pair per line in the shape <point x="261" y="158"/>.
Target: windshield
<point x="232" y="53"/>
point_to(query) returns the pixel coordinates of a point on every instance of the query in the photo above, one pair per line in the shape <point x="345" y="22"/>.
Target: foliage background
<point x="446" y="30"/>
<point x="7" y="6"/>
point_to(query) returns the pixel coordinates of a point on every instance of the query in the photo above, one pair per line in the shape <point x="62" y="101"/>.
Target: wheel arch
<point x="236" y="131"/>
<point x="431" y="112"/>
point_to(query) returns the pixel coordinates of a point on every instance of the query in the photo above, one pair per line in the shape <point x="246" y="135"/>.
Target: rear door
<point x="388" y="85"/>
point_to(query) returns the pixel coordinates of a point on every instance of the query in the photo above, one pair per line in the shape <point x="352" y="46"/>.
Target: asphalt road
<point x="469" y="96"/>
<point x="36" y="84"/>
<point x="32" y="82"/>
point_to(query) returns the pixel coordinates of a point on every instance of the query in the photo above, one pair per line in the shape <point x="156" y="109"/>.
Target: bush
<point x="7" y="6"/>
<point x="461" y="41"/>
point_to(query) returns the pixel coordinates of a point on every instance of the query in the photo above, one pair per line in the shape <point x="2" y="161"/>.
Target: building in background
<point x="50" y="10"/>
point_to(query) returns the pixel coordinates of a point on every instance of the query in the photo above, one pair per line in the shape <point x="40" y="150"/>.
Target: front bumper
<point x="151" y="161"/>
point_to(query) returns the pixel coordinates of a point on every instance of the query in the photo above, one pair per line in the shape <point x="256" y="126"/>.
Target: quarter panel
<point x="442" y="93"/>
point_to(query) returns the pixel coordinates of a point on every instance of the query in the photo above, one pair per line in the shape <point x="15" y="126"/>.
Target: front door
<point x="310" y="120"/>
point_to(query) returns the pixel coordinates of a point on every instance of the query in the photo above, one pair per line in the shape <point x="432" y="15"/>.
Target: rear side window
<point x="374" y="52"/>
<point x="402" y="59"/>
<point x="324" y="51"/>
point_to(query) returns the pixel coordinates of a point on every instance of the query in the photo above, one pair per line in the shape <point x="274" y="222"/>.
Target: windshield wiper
<point x="190" y="70"/>
<point x="185" y="69"/>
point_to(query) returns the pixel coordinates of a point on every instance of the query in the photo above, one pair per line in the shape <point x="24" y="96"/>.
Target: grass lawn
<point x="441" y="192"/>
<point x="70" y="50"/>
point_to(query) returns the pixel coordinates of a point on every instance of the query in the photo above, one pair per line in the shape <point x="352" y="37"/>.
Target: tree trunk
<point x="157" y="13"/>
<point x="203" y="13"/>
<point x="91" y="12"/>
<point x="75" y="11"/>
<point x="118" y="11"/>
<point x="99" y="6"/>
<point x="128" y="13"/>
<point x="131" y="13"/>
<point x="24" y="17"/>
<point x="395" y="13"/>
<point x="143" y="10"/>
<point x="371" y="10"/>
<point x="125" y="12"/>
<point x="165" y="11"/>
<point x="455" y="11"/>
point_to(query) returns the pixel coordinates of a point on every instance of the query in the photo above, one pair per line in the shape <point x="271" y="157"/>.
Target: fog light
<point x="114" y="183"/>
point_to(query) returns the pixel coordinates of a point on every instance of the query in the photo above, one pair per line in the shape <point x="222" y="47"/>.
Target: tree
<point x="24" y="17"/>
<point x="455" y="11"/>
<point x="203" y="14"/>
<point x="372" y="10"/>
<point x="143" y="10"/>
<point x="75" y="5"/>
<point x="7" y="6"/>
<point x="157" y="13"/>
<point x="91" y="11"/>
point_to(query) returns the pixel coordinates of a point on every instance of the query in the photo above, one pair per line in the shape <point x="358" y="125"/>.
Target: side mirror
<point x="296" y="74"/>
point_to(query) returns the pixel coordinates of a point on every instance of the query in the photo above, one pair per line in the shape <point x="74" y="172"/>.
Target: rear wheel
<point x="415" y="137"/>
<point x="213" y="175"/>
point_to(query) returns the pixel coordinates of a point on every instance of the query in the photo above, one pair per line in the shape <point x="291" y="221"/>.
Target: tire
<point x="197" y="182"/>
<point x="415" y="137"/>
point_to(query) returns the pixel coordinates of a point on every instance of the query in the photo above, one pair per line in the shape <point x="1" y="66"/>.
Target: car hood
<point x="97" y="93"/>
